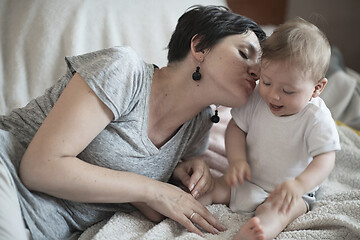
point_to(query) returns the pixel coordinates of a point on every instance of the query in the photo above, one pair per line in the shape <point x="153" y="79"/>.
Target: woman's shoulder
<point x="201" y="122"/>
<point x="106" y="55"/>
<point x="197" y="132"/>
<point x="120" y="51"/>
<point x="110" y="63"/>
<point x="117" y="75"/>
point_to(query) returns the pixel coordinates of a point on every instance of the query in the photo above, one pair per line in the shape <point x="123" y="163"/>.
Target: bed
<point x="36" y="35"/>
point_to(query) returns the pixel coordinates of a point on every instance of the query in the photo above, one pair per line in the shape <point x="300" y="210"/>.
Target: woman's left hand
<point x="194" y="173"/>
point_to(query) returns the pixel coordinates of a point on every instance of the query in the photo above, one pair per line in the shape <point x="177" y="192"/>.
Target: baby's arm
<point x="235" y="144"/>
<point x="316" y="172"/>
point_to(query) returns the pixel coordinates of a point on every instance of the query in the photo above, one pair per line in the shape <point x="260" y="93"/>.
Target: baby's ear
<point x="319" y="86"/>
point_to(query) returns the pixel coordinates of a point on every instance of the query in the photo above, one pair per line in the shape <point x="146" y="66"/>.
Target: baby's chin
<point x="282" y="114"/>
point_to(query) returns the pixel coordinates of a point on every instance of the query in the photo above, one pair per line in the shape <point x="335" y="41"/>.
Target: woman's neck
<point x="174" y="99"/>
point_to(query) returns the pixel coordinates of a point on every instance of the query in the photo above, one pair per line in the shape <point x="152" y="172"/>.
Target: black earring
<point x="196" y="75"/>
<point x="215" y="118"/>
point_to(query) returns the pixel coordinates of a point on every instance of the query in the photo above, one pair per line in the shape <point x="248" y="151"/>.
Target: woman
<point x="112" y="130"/>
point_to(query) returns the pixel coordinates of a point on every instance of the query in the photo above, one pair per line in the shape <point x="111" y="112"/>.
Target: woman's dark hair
<point x="211" y="24"/>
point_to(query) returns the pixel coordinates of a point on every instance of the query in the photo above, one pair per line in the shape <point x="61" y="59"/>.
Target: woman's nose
<point x="255" y="71"/>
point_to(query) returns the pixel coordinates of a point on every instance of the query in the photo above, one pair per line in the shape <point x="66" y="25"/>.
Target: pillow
<point x="342" y="92"/>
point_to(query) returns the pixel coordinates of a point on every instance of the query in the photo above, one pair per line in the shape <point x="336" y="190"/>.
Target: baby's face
<point x="286" y="89"/>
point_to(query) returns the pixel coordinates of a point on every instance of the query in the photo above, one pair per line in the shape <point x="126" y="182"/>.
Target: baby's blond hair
<point x="299" y="42"/>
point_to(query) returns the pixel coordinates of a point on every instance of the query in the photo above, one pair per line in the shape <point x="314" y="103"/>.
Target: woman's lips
<point x="252" y="83"/>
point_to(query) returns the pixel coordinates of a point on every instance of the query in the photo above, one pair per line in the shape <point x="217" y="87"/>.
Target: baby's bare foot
<point x="250" y="231"/>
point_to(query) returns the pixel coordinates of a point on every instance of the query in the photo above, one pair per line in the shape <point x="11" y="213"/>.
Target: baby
<point x="281" y="144"/>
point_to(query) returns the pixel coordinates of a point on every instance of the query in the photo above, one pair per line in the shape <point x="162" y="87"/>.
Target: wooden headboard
<point x="263" y="12"/>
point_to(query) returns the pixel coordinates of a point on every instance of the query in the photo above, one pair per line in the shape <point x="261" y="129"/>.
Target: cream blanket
<point x="336" y="214"/>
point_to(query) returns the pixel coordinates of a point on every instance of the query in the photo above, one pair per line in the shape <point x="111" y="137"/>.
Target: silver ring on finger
<point x="192" y="215"/>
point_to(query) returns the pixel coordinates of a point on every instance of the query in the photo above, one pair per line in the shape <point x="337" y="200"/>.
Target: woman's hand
<point x="182" y="207"/>
<point x="148" y="212"/>
<point x="195" y="174"/>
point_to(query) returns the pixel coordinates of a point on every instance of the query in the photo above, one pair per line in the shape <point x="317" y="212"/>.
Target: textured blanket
<point x="336" y="214"/>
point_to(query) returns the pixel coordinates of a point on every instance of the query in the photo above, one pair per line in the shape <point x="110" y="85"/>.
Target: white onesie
<point x="279" y="148"/>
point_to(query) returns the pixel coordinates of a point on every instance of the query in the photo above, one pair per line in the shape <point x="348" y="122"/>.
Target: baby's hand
<point x="236" y="172"/>
<point x="284" y="196"/>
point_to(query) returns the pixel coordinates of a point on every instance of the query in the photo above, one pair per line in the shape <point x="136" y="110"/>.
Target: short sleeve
<point x="114" y="74"/>
<point x="323" y="136"/>
<point x="242" y="115"/>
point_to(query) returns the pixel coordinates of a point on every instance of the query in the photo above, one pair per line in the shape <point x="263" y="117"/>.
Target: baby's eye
<point x="287" y="92"/>
<point x="242" y="54"/>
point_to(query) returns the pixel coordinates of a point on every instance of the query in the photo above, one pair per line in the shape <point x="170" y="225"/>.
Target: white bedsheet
<point x="336" y="214"/>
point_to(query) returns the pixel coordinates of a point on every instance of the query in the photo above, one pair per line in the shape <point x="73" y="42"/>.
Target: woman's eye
<point x="265" y="83"/>
<point x="242" y="54"/>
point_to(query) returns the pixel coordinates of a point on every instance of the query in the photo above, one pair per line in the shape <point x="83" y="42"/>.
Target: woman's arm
<point x="50" y="164"/>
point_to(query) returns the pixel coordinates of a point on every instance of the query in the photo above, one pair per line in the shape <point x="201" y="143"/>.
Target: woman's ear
<point x="198" y="55"/>
<point x="319" y="87"/>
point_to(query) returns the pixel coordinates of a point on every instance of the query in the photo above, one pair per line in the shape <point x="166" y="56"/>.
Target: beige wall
<point x="339" y="19"/>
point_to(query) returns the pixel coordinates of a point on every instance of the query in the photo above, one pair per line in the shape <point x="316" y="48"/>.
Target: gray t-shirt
<point x="123" y="82"/>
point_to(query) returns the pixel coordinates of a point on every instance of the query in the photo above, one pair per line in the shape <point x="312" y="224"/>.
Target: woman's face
<point x="233" y="65"/>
